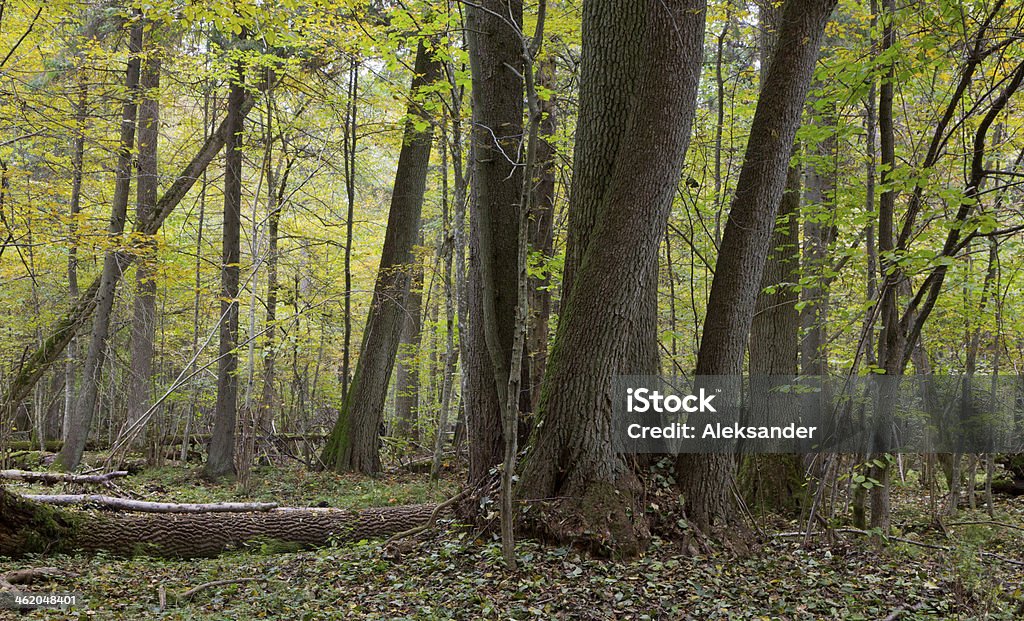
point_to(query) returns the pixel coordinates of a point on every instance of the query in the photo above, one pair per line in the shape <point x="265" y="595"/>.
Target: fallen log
<point x="144" y="506"/>
<point x="31" y="527"/>
<point x="53" y="478"/>
<point x="51" y="446"/>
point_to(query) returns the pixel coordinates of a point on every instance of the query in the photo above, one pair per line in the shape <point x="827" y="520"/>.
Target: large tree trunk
<point x="606" y="101"/>
<point x="78" y="431"/>
<point x="353" y="444"/>
<point x="572" y="456"/>
<point x="28" y="527"/>
<point x="707" y="480"/>
<point x="221" y="459"/>
<point x="496" y="61"/>
<point x="143" y="328"/>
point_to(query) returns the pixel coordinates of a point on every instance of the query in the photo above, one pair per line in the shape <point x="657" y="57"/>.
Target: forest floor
<point x="453" y="573"/>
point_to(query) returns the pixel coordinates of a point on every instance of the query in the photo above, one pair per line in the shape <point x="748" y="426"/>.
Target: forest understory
<point x="454" y="571"/>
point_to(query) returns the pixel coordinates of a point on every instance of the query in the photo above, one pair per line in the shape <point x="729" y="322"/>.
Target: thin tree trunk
<point x="143" y="328"/>
<point x="353" y="444"/>
<point x="407" y="391"/>
<point x="220" y="462"/>
<point x="350" y="195"/>
<point x="890" y="344"/>
<point x="71" y="453"/>
<point x="542" y="233"/>
<point x="450" y="292"/>
<point x="77" y="159"/>
<point x="706" y="480"/>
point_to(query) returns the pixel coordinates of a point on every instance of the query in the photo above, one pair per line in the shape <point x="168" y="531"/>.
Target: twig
<point x="415" y="530"/>
<point x="189" y="594"/>
<point x="931" y="546"/>
<point x="987" y="523"/>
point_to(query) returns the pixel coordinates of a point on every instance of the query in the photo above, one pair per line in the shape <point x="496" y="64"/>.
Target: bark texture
<point x="353" y="444"/>
<point x="144" y="305"/>
<point x="707" y="480"/>
<point x="493" y="34"/>
<point x="572" y="456"/>
<point x="774" y="481"/>
<point x="221" y="459"/>
<point x="27" y="527"/>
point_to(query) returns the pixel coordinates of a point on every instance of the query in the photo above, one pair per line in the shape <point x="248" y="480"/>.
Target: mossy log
<point x="29" y="527"/>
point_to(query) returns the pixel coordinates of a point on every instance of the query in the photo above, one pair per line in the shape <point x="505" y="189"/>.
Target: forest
<point x="322" y="309"/>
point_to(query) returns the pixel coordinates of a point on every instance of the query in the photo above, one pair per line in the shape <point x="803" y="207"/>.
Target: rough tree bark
<point x="353" y="442"/>
<point x="220" y="461"/>
<point x="407" y="397"/>
<point x="78" y="431"/>
<point x="775" y="481"/>
<point x="143" y="328"/>
<point x="493" y="34"/>
<point x="571" y="455"/>
<point x="541" y="233"/>
<point x="606" y="101"/>
<point x="706" y="480"/>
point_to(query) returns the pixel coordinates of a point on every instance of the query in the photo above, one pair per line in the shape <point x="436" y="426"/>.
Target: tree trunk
<point x="143" y="328"/>
<point x="61" y="332"/>
<point x="269" y="399"/>
<point x="817" y="237"/>
<point x="890" y="342"/>
<point x="77" y="159"/>
<point x="707" y="480"/>
<point x="350" y="195"/>
<point x="353" y="444"/>
<point x="27" y="527"/>
<point x="220" y="462"/>
<point x="572" y="456"/>
<point x="407" y="400"/>
<point x="774" y="482"/>
<point x="542" y="234"/>
<point x="71" y="453"/>
<point x="496" y="61"/>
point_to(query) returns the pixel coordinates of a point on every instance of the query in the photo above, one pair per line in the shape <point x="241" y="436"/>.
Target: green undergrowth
<point x="287" y="486"/>
<point x="453" y="573"/>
